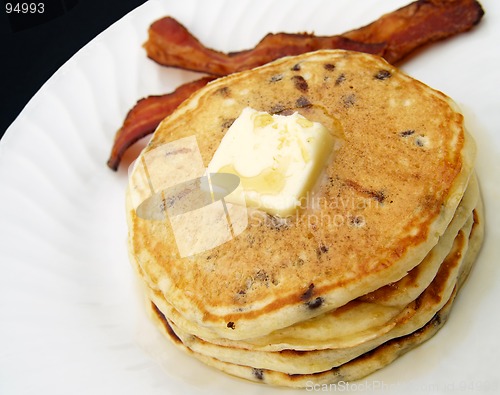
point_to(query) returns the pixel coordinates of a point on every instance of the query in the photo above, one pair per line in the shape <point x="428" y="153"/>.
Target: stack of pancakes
<point x="360" y="275"/>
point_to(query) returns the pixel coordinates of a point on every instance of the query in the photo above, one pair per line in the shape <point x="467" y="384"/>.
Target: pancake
<point x="405" y="156"/>
<point x="370" y="361"/>
<point x="360" y="320"/>
<point x="413" y="317"/>
<point x="351" y="371"/>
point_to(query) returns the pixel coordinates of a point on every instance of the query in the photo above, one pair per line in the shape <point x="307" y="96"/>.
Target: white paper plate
<point x="71" y="321"/>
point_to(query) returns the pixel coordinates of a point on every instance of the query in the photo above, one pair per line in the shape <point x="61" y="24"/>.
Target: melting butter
<point x="269" y="181"/>
<point x="278" y="158"/>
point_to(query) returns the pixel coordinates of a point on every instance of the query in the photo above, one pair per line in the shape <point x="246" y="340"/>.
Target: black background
<point x="34" y="46"/>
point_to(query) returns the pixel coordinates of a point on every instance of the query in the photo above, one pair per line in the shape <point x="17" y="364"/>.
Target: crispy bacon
<point x="146" y="116"/>
<point x="171" y="44"/>
<point x="417" y="24"/>
<point x="393" y="36"/>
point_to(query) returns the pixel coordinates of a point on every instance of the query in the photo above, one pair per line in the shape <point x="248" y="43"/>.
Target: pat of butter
<point x="278" y="158"/>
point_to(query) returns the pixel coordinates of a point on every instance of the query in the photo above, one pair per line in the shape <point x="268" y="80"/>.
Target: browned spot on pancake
<point x="435" y="289"/>
<point x="296" y="67"/>
<point x="277" y="108"/>
<point x="349" y="100"/>
<point x="231" y="325"/>
<point x="429" y="202"/>
<point x="300" y="83"/>
<point x="224" y="91"/>
<point x="165" y="323"/>
<point x="385" y="292"/>
<point x="329" y="66"/>
<point x="379" y="196"/>
<point x="417" y="303"/>
<point x="226" y="124"/>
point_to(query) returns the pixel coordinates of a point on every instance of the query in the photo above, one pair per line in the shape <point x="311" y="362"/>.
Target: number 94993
<point x="24" y="8"/>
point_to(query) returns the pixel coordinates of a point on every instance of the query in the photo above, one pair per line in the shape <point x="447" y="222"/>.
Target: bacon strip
<point x="171" y="44"/>
<point x="417" y="24"/>
<point x="393" y="36"/>
<point x="147" y="115"/>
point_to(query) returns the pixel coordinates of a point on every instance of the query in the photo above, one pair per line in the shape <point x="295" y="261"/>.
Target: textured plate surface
<point x="71" y="319"/>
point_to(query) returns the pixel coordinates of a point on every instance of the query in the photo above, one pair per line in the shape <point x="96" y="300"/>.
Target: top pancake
<point x="386" y="196"/>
